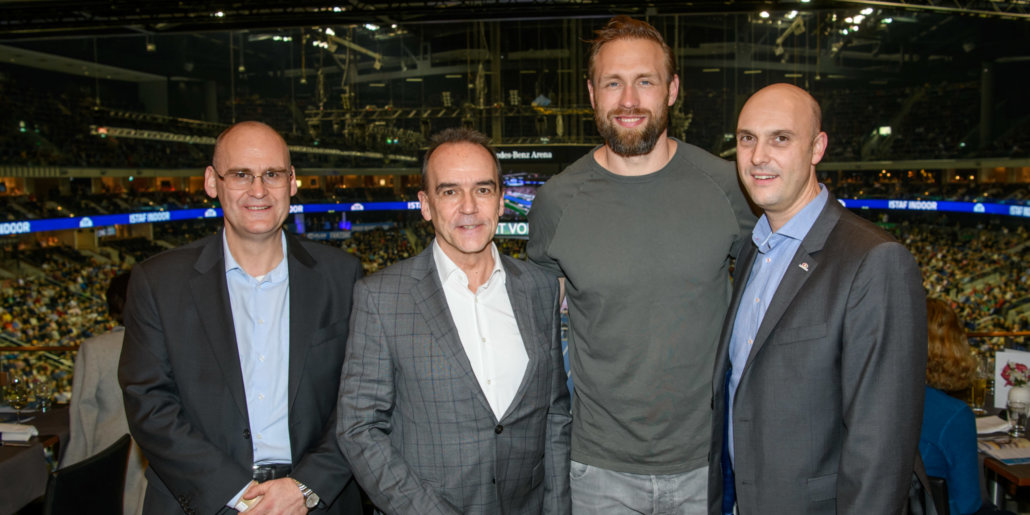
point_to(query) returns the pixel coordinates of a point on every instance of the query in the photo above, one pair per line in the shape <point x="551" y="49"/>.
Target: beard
<point x="631" y="142"/>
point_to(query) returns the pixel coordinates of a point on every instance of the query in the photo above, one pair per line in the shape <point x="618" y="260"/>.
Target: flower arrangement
<point x="1015" y="374"/>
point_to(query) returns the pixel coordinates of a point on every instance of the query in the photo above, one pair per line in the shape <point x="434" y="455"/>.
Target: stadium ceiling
<point x="63" y="18"/>
<point x="374" y="42"/>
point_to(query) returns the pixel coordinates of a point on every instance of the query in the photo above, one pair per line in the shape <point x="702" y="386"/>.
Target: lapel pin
<point x="804" y="266"/>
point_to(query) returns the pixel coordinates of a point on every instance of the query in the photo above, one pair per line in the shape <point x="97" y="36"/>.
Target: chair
<point x="93" y="485"/>
<point x="939" y="491"/>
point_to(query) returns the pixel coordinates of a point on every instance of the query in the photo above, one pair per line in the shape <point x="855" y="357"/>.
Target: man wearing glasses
<point x="233" y="349"/>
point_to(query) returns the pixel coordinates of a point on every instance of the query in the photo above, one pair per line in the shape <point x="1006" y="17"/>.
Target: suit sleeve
<point x="365" y="410"/>
<point x="197" y="472"/>
<point x="883" y="370"/>
<point x="963" y="479"/>
<point x="323" y="468"/>
<point x="557" y="498"/>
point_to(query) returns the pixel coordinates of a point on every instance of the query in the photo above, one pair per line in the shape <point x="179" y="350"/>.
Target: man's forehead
<point x="769" y="114"/>
<point x="453" y="177"/>
<point x="249" y="153"/>
<point x="623" y="56"/>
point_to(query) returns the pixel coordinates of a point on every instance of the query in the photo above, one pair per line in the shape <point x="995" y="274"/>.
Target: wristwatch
<point x="310" y="497"/>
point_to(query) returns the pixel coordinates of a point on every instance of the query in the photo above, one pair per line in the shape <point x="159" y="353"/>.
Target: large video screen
<point x="519" y="192"/>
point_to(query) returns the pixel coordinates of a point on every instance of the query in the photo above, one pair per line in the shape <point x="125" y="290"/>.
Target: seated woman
<point x="948" y="439"/>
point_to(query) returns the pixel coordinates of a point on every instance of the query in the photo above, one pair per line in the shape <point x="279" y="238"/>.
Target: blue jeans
<point x="601" y="491"/>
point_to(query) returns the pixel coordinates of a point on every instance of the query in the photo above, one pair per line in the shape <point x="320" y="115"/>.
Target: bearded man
<point x="641" y="230"/>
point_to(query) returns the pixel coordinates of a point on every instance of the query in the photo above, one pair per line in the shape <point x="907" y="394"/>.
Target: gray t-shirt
<point x="645" y="261"/>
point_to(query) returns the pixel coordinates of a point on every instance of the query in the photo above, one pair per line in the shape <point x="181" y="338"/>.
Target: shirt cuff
<point x="235" y="502"/>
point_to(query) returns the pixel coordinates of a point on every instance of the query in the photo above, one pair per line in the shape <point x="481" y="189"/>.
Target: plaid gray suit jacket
<point x="413" y="421"/>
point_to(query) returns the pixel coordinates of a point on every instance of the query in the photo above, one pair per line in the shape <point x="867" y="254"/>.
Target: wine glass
<point x="17" y="393"/>
<point x="44" y="392"/>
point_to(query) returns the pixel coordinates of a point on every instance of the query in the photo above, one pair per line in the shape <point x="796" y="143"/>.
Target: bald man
<point x="233" y="349"/>
<point x="818" y="384"/>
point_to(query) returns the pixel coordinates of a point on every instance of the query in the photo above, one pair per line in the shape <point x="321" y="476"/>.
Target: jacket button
<point x="499" y="429"/>
<point x="246" y="434"/>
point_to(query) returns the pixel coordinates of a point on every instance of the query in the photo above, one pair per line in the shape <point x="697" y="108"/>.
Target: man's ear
<point x="423" y="200"/>
<point x="819" y="147"/>
<point x="211" y="182"/>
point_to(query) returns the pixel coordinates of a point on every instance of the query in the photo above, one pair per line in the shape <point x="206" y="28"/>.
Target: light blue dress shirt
<point x="775" y="252"/>
<point x="261" y="315"/>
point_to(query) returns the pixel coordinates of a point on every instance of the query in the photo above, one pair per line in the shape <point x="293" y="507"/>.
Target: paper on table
<point x="1007" y="449"/>
<point x="991" y="424"/>
<point x="17" y="432"/>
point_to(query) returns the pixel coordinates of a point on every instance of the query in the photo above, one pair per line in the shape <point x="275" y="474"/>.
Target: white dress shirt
<point x="260" y="317"/>
<point x="487" y="328"/>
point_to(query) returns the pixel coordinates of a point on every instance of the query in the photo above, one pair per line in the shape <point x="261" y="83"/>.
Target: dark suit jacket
<point x="827" y="413"/>
<point x="414" y="423"/>
<point x="183" y="386"/>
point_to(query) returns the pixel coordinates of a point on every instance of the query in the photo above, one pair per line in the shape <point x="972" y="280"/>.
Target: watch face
<point x="311" y="500"/>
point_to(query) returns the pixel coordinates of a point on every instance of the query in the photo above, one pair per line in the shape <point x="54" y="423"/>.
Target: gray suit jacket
<point x="414" y="423"/>
<point x="183" y="385"/>
<point x="827" y="413"/>
<point x="97" y="415"/>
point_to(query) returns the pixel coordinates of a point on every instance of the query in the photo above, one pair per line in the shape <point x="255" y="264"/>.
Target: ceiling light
<point x="867" y="11"/>
<point x="764" y="14"/>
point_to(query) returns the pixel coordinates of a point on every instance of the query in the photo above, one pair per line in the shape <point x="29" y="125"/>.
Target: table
<point x="1002" y="478"/>
<point x="24" y="469"/>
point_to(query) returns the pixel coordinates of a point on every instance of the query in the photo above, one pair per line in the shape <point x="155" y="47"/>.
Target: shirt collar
<point x="796" y="228"/>
<point x="447" y="269"/>
<point x="277" y="274"/>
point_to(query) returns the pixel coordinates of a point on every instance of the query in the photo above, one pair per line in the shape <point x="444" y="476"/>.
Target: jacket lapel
<point x="211" y="300"/>
<point x="519" y="295"/>
<point x="305" y="284"/>
<point x="801" y="267"/>
<point x="745" y="262"/>
<point x="431" y="303"/>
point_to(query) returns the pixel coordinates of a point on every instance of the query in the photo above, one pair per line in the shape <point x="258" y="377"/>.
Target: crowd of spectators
<point x="983" y="271"/>
<point x="870" y="186"/>
<point x="378" y="248"/>
<point x="59" y="301"/>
